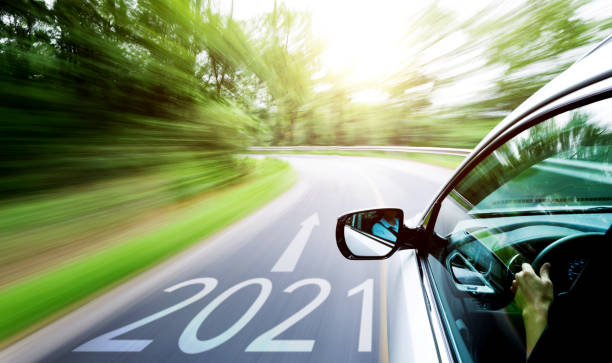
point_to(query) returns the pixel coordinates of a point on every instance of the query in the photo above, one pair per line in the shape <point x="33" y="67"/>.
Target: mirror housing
<point x="373" y="234"/>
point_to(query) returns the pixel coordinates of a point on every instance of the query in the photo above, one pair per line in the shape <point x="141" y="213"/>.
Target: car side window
<point x="546" y="183"/>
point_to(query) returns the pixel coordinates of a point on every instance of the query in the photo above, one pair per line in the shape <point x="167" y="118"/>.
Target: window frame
<point x="567" y="103"/>
<point x="601" y="90"/>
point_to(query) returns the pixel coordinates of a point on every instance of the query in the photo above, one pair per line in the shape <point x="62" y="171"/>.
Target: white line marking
<point x="190" y="343"/>
<point x="107" y="343"/>
<point x="367" y="311"/>
<point x="289" y="258"/>
<point x="266" y="341"/>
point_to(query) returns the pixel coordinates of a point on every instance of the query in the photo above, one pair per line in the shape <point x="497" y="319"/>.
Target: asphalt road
<point x="272" y="288"/>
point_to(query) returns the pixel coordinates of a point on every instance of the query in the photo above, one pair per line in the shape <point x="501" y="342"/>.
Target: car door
<point x="548" y="180"/>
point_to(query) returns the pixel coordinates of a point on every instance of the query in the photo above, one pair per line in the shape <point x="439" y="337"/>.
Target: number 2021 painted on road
<point x="190" y="344"/>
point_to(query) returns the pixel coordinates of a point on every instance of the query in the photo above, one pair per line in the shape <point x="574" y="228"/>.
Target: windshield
<point x="559" y="169"/>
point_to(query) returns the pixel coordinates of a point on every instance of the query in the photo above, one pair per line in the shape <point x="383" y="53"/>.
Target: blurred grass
<point x="53" y="225"/>
<point x="34" y="299"/>
<point x="446" y="161"/>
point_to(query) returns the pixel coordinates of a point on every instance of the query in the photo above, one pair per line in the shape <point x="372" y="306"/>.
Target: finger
<point x="545" y="271"/>
<point x="527" y="268"/>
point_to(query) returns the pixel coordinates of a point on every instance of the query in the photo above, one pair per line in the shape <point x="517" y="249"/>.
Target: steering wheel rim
<point x="565" y="242"/>
<point x="564" y="250"/>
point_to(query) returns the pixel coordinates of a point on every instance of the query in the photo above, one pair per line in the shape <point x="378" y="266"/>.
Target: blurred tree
<point x="534" y="43"/>
<point x="91" y="89"/>
<point x="291" y="55"/>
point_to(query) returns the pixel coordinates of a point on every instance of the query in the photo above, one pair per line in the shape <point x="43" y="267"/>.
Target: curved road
<point x="271" y="288"/>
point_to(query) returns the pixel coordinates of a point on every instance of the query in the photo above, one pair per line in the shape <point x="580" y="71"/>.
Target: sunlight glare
<point x="369" y="96"/>
<point x="363" y="38"/>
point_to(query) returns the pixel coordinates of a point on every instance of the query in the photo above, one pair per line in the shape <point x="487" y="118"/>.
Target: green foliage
<point x="97" y="89"/>
<point x="39" y="297"/>
<point x="522" y="46"/>
<point x="533" y="44"/>
<point x="446" y="161"/>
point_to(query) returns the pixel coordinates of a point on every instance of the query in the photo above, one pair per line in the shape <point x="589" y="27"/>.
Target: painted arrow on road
<point x="289" y="258"/>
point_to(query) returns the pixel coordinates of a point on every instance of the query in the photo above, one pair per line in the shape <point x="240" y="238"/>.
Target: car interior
<point x="534" y="200"/>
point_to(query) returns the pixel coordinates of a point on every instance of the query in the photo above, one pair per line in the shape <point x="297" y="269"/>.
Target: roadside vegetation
<point x="86" y="270"/>
<point x="445" y="161"/>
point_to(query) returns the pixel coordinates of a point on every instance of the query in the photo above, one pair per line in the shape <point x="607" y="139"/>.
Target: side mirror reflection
<point x="370" y="234"/>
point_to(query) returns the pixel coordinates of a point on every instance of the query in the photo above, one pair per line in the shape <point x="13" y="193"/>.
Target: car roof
<point x="593" y="67"/>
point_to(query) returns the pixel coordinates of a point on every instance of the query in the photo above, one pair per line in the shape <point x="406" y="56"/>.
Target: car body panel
<point x="406" y="302"/>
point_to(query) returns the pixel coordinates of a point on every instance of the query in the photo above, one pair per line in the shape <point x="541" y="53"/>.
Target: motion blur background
<point x="121" y="117"/>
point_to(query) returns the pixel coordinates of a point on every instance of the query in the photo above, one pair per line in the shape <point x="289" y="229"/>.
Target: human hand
<point x="533" y="294"/>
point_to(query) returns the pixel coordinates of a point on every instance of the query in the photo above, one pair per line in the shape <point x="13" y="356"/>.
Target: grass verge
<point x="33" y="300"/>
<point x="446" y="161"/>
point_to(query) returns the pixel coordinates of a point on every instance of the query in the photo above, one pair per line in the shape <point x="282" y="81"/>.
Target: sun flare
<point x="363" y="41"/>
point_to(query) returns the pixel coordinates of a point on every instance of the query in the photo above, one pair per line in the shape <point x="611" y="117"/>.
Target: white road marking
<point x="367" y="311"/>
<point x="190" y="343"/>
<point x="107" y="343"/>
<point x="291" y="256"/>
<point x="266" y="341"/>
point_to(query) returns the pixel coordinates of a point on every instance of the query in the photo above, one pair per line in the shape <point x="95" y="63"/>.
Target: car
<point x="536" y="190"/>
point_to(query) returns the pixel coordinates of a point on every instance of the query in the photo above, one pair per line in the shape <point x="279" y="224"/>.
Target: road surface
<point x="272" y="288"/>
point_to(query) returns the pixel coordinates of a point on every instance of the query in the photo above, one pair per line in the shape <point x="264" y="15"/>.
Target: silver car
<point x="535" y="195"/>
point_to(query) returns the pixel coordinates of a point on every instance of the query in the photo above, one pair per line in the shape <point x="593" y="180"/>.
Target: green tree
<point x="533" y="44"/>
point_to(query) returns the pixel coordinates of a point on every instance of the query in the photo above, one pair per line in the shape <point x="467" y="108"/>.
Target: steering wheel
<point x="568" y="256"/>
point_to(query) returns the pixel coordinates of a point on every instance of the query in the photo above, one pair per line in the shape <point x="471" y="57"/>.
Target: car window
<point x="550" y="181"/>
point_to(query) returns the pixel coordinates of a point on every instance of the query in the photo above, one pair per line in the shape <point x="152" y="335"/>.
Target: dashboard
<point x="568" y="247"/>
<point x="568" y="255"/>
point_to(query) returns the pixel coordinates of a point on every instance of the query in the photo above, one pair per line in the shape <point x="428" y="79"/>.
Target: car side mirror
<point x="372" y="234"/>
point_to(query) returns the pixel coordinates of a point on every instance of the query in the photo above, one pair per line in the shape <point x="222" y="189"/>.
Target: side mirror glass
<point x="369" y="234"/>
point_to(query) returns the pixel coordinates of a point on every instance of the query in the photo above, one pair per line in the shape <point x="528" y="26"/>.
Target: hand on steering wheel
<point x="533" y="293"/>
<point x="565" y="251"/>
